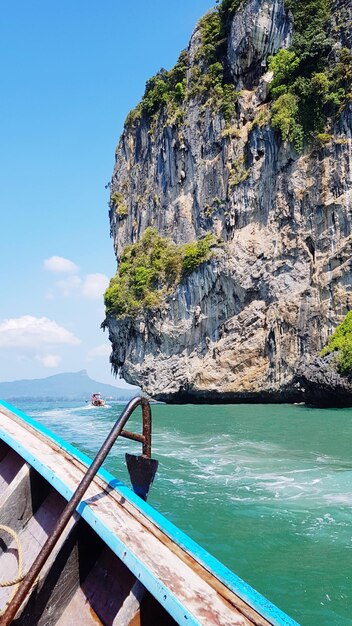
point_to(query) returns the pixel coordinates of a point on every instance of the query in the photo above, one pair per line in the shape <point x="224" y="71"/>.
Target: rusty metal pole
<point x="27" y="583"/>
<point x="146" y="438"/>
<point x="147" y="429"/>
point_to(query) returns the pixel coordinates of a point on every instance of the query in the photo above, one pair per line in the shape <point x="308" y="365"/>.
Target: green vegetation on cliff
<point x="312" y="80"/>
<point x="151" y="268"/>
<point x="341" y="342"/>
<point x="163" y="89"/>
<point x="311" y="85"/>
<point x="120" y="204"/>
<point x="210" y="79"/>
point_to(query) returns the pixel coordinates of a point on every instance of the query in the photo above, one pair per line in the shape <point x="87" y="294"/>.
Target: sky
<point x="70" y="72"/>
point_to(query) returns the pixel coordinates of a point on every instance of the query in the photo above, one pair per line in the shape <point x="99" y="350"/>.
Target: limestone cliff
<point x="239" y="326"/>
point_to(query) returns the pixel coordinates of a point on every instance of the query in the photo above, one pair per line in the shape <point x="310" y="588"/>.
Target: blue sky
<point x="70" y="73"/>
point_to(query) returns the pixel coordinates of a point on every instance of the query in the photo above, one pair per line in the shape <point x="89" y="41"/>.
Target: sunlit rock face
<point x="258" y="30"/>
<point x="241" y="325"/>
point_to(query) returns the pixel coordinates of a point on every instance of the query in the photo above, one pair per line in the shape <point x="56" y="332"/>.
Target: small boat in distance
<point x="97" y="400"/>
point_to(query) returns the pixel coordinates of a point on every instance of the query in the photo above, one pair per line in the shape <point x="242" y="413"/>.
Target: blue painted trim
<point x="260" y="604"/>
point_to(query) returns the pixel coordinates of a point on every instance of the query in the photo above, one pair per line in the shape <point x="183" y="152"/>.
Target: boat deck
<point x="149" y="549"/>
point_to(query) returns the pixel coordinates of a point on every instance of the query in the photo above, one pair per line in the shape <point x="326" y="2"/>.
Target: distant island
<point x="70" y="386"/>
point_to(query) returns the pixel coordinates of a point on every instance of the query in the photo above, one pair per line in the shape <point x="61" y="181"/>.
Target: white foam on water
<point x="344" y="499"/>
<point x="252" y="472"/>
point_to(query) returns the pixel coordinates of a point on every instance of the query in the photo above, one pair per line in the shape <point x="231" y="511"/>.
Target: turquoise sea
<point x="267" y="489"/>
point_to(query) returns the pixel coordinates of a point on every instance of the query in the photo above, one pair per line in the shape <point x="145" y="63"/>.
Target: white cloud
<point x="28" y="331"/>
<point x="50" y="360"/>
<point x="90" y="286"/>
<point x="60" y="265"/>
<point x="94" y="286"/>
<point x="69" y="285"/>
<point x="103" y="350"/>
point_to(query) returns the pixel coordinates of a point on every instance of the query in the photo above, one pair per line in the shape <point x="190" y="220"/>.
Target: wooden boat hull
<point x="119" y="561"/>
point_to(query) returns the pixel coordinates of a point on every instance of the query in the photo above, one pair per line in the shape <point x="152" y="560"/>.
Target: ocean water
<point x="267" y="489"/>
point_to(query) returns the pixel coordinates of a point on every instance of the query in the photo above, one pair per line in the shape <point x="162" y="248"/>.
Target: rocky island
<point x="230" y="210"/>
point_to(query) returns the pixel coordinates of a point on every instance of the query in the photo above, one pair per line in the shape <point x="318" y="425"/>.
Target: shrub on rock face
<point x="285" y="110"/>
<point x="165" y="89"/>
<point x="120" y="204"/>
<point x="196" y="252"/>
<point x="150" y="269"/>
<point x="341" y="342"/>
<point x="312" y="79"/>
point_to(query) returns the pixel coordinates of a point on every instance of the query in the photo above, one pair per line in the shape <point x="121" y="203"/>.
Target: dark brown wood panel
<point x="57" y="583"/>
<point x="21" y="498"/>
<point x="32" y="538"/>
<point x="79" y="613"/>
<point x="107" y="586"/>
<point x="4" y="448"/>
<point x="9" y="468"/>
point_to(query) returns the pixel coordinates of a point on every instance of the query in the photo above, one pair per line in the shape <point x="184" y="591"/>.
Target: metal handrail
<point x="72" y="504"/>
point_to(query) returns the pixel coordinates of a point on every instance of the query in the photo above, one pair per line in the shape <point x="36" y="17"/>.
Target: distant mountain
<point x="71" y="386"/>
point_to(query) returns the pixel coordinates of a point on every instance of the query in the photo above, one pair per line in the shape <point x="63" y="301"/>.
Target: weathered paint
<point x="241" y="589"/>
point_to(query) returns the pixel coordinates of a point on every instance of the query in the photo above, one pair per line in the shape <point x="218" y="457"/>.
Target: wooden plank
<point x="104" y="593"/>
<point x="130" y="612"/>
<point x="223" y="591"/>
<point x="190" y="595"/>
<point x="9" y="467"/>
<point x="72" y="559"/>
<point x="32" y="537"/>
<point x="107" y="586"/>
<point x="78" y="612"/>
<point x="22" y="496"/>
<point x="57" y="582"/>
<point x="3" y="449"/>
<point x="16" y="501"/>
